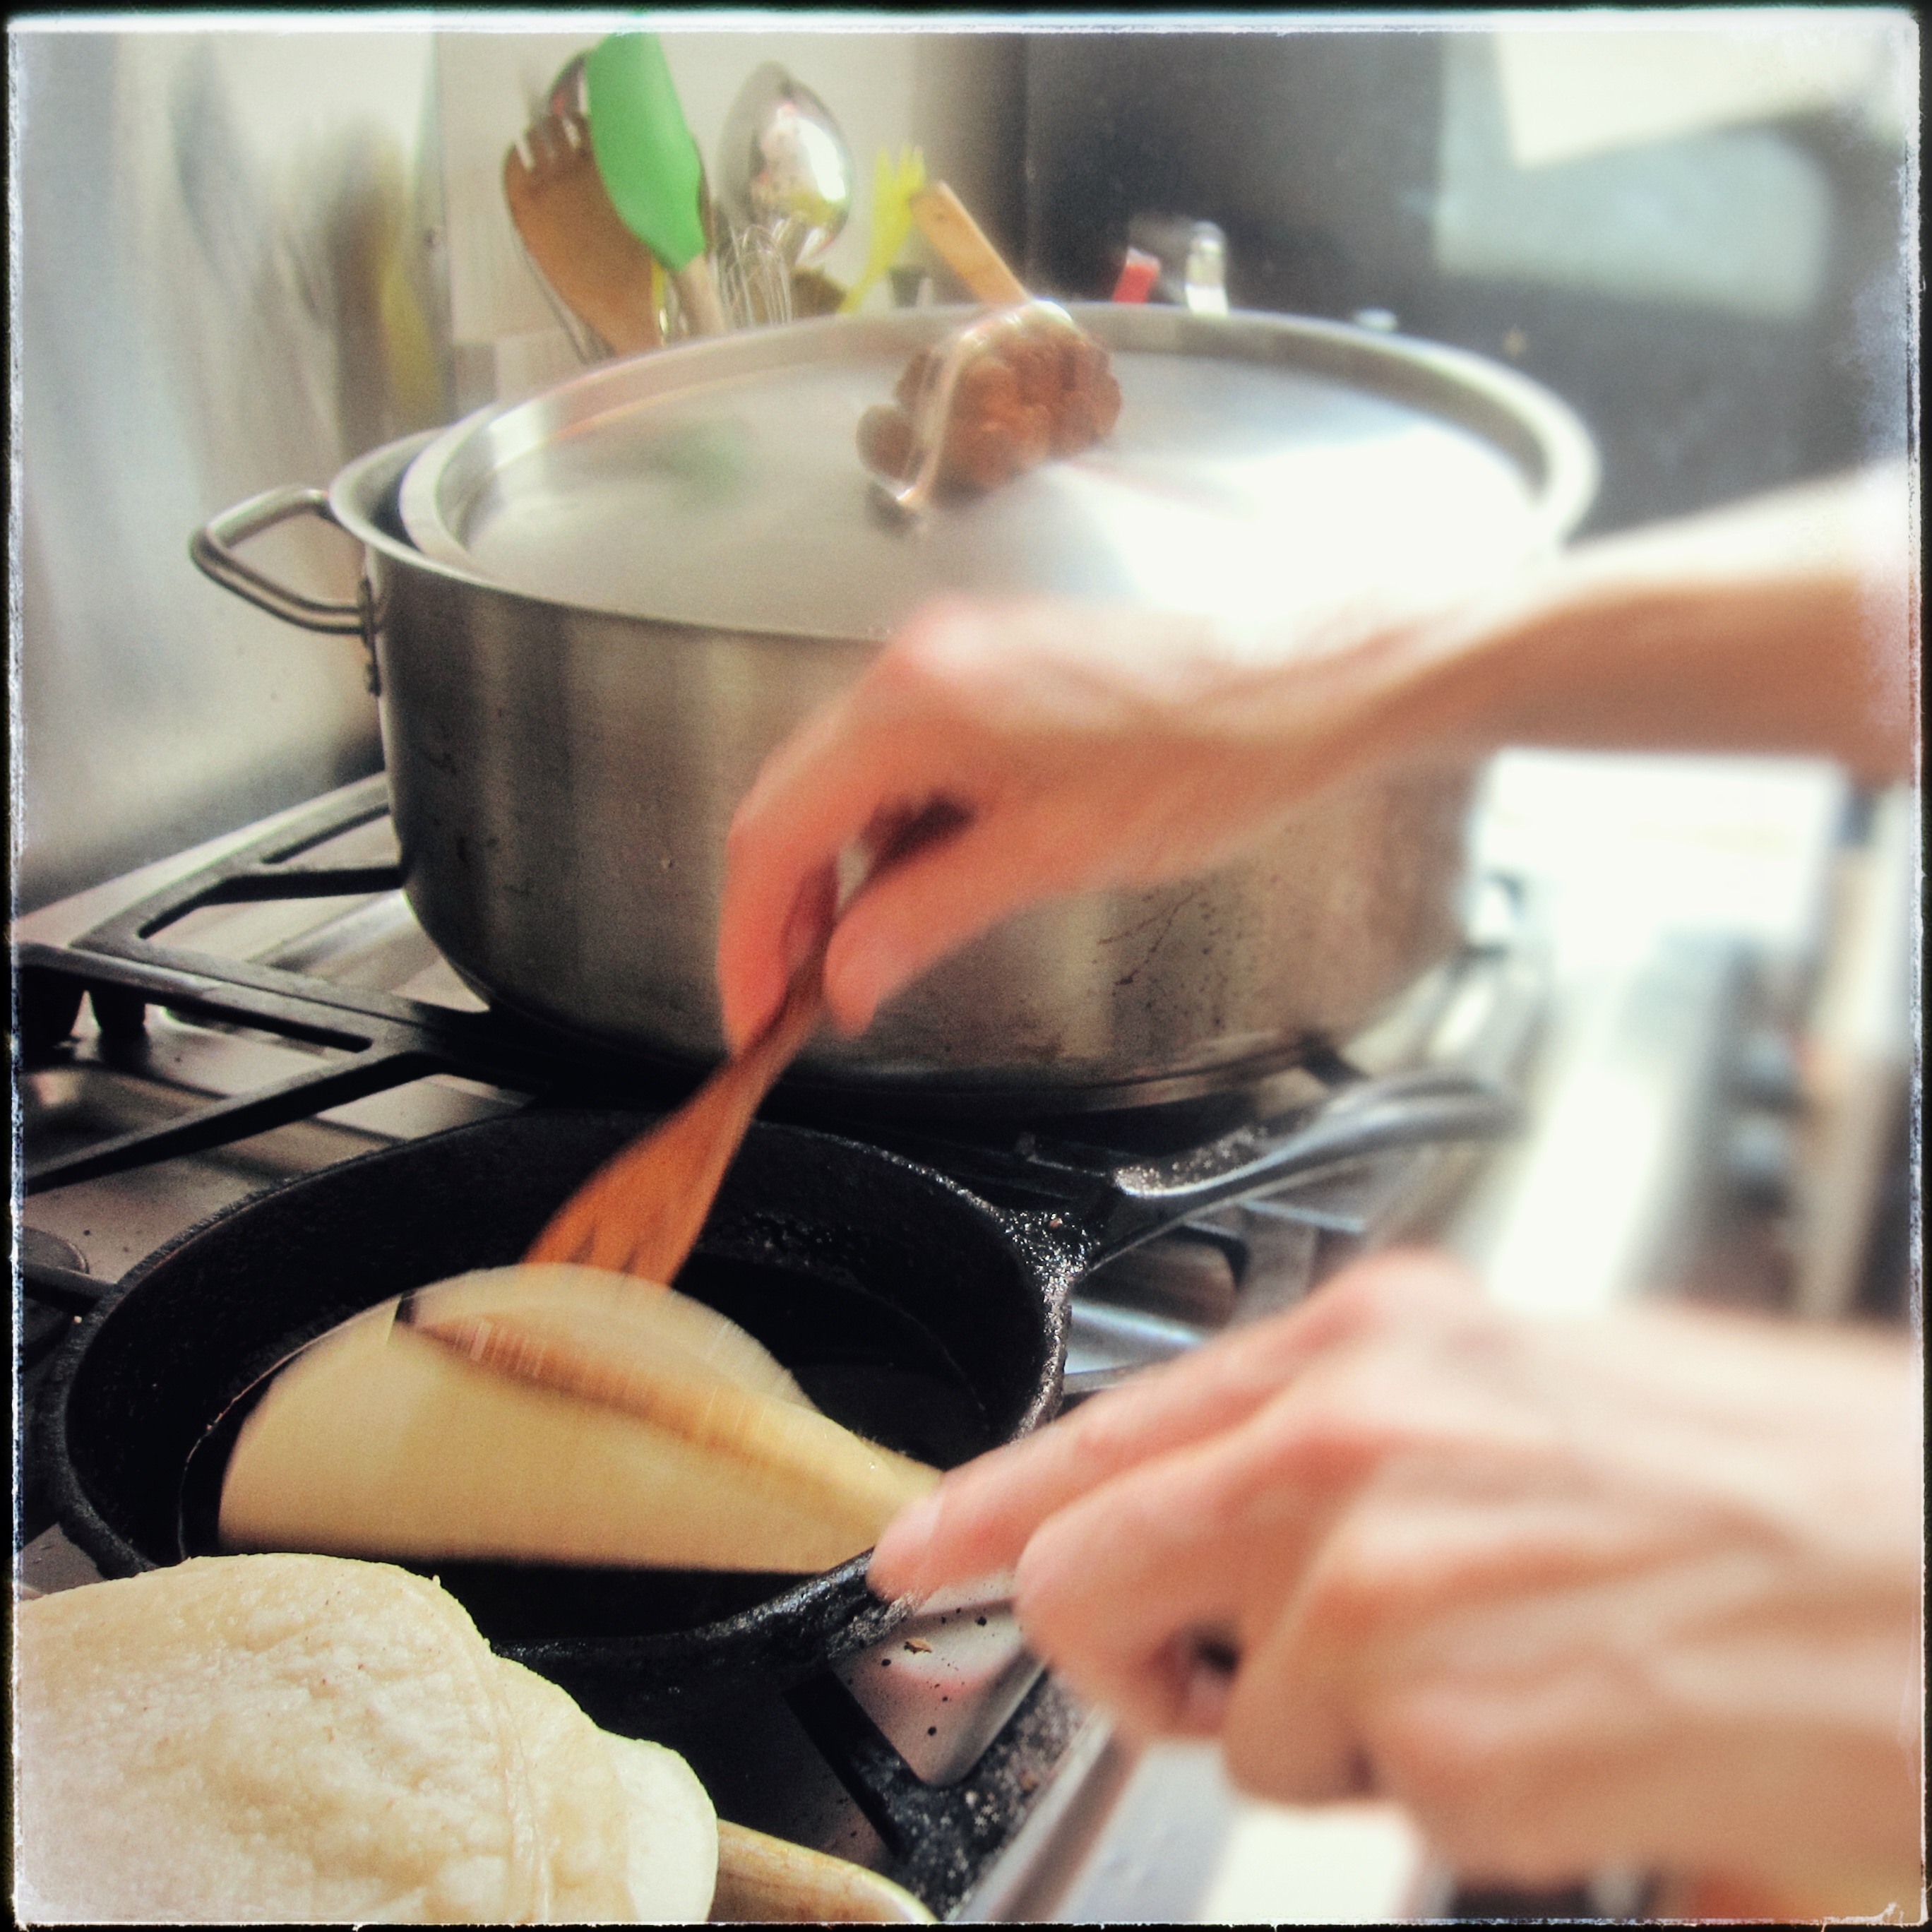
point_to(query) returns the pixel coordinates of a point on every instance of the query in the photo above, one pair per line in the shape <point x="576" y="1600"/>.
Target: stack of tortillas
<point x="291" y="1738"/>
<point x="556" y="1413"/>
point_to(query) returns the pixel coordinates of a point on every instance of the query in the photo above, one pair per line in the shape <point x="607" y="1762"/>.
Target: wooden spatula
<point x="599" y="269"/>
<point x="641" y="1212"/>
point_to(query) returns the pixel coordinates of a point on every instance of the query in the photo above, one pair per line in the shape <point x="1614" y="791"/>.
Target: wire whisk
<point x="754" y="278"/>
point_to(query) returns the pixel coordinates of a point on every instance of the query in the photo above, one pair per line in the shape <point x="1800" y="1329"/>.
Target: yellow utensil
<point x="893" y="190"/>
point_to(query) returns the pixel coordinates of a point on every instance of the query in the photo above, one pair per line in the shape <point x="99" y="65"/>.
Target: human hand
<point x="1077" y="747"/>
<point x="1641" y="1591"/>
<point x="1080" y="747"/>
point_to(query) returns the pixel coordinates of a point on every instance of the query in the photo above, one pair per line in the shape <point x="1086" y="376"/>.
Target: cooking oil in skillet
<point x="866" y="1363"/>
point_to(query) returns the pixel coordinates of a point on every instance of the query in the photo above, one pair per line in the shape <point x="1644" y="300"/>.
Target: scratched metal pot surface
<point x="643" y="579"/>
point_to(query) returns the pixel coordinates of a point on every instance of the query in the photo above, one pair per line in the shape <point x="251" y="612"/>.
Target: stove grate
<point x="941" y="1837"/>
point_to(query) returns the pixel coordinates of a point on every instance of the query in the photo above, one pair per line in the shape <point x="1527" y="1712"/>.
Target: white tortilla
<point x="673" y="1833"/>
<point x="266" y="1738"/>
<point x="583" y="1812"/>
<point x="284" y="1739"/>
<point x="380" y="1441"/>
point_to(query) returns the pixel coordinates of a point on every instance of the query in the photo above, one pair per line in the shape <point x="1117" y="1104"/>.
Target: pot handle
<point x="212" y="551"/>
<point x="1412" y="1109"/>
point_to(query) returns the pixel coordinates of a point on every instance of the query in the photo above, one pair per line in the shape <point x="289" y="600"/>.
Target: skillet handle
<point x="1414" y="1109"/>
<point x="212" y="551"/>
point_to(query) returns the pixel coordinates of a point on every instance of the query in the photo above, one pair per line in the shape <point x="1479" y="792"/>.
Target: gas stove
<point x="265" y="1007"/>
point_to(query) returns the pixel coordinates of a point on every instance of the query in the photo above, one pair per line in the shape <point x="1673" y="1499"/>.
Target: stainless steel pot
<point x="594" y="614"/>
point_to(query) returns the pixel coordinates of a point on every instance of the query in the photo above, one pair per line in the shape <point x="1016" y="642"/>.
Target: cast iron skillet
<point x="910" y="1308"/>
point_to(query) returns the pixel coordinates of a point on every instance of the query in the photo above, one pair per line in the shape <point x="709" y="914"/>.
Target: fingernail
<point x="902" y="1551"/>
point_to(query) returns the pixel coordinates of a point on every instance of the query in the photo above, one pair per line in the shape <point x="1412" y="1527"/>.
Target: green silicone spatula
<point x="650" y="166"/>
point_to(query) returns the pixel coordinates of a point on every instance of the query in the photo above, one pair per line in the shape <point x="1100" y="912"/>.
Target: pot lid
<point x="1260" y="463"/>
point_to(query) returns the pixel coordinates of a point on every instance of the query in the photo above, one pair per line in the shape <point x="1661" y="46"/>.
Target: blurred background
<point x="247" y="254"/>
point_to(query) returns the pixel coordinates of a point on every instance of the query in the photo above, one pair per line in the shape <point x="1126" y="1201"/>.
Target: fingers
<point x="812" y="913"/>
<point x="892" y="757"/>
<point x="924" y="907"/>
<point x="1182" y="1516"/>
<point x="1300" y="1725"/>
<point x="1144" y="1593"/>
<point x="814" y="907"/>
<point x="1059" y="737"/>
<point x="1474" y="1701"/>
<point x="981" y="1517"/>
<point x="814" y="796"/>
<point x="911" y="912"/>
<point x="1294" y="1737"/>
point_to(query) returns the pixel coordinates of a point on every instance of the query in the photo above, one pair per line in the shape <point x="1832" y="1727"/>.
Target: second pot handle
<point x="212" y="550"/>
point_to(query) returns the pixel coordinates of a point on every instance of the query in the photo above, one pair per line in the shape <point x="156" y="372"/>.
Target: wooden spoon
<point x="766" y="1881"/>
